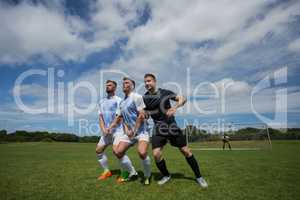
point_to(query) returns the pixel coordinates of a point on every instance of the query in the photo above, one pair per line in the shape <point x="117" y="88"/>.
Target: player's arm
<point x="139" y="121"/>
<point x="140" y="104"/>
<point x="102" y="125"/>
<point x="116" y="122"/>
<point x="180" y="101"/>
<point x="101" y="120"/>
<point x="128" y="131"/>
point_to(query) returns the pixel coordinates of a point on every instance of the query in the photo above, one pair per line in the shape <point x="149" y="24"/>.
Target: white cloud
<point x="274" y="21"/>
<point x="201" y="35"/>
<point x="295" y="46"/>
<point x="237" y="99"/>
<point x="36" y="29"/>
<point x="28" y="30"/>
<point x="34" y="89"/>
<point x="173" y="29"/>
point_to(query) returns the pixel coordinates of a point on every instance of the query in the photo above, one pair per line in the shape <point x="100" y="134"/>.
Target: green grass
<point x="69" y="171"/>
<point x="249" y="144"/>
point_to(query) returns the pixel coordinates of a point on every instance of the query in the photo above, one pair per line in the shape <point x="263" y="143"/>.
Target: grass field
<point x="69" y="171"/>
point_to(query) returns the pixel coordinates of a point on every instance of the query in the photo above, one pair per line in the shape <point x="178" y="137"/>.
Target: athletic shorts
<point x="142" y="136"/>
<point x="110" y="139"/>
<point x="225" y="140"/>
<point x="176" y="138"/>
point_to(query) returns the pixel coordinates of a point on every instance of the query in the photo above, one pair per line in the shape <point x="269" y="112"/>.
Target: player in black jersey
<point x="158" y="106"/>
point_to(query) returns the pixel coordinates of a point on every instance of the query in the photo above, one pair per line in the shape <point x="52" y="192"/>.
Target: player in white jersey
<point x="107" y="113"/>
<point x="131" y="111"/>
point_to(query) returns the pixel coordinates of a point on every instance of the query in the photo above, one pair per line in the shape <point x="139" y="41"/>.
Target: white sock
<point x="147" y="166"/>
<point x="103" y="161"/>
<point x="126" y="164"/>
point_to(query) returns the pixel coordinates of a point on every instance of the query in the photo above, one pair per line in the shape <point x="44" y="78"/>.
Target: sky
<point x="236" y="61"/>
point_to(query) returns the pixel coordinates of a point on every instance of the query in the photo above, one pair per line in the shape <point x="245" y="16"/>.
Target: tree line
<point x="246" y="133"/>
<point x="43" y="136"/>
<point x="194" y="134"/>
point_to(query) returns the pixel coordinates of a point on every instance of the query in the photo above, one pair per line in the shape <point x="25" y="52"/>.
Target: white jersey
<point x="129" y="108"/>
<point x="108" y="107"/>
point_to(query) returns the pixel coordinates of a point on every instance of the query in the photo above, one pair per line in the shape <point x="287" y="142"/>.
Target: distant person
<point x="225" y="139"/>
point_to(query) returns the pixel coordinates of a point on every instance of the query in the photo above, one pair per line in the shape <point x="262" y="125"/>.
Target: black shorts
<point x="164" y="132"/>
<point x="161" y="140"/>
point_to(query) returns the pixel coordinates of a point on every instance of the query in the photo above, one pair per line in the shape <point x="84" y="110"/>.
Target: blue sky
<point x="236" y="44"/>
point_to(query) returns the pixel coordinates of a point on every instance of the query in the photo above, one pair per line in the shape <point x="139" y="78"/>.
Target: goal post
<point x="239" y="136"/>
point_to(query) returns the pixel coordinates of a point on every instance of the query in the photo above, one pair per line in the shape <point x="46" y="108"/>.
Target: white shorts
<point x="109" y="139"/>
<point x="143" y="136"/>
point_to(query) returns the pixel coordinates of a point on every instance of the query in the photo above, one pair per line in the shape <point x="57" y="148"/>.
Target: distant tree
<point x="89" y="139"/>
<point x="3" y="132"/>
<point x="65" y="137"/>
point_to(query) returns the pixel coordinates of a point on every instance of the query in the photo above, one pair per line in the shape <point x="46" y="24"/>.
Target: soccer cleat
<point x="105" y="175"/>
<point x="164" y="180"/>
<point x="124" y="177"/>
<point x="147" y="181"/>
<point x="132" y="175"/>
<point x="201" y="181"/>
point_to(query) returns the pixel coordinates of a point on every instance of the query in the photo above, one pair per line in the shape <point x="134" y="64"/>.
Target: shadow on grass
<point x="157" y="176"/>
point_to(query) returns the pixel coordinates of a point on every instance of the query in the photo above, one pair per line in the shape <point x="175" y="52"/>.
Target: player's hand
<point x="130" y="133"/>
<point x="147" y="115"/>
<point x="106" y="131"/>
<point x="171" y="112"/>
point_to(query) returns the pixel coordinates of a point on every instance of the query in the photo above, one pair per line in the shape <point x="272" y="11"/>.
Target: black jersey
<point x="157" y="105"/>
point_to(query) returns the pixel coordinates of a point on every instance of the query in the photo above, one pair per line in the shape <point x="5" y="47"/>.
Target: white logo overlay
<point x="77" y="101"/>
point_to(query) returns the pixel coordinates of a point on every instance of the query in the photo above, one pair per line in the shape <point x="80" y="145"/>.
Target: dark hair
<point x="150" y="75"/>
<point x="132" y="81"/>
<point x="111" y="81"/>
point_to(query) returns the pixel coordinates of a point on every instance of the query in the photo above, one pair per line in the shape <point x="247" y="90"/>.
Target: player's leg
<point x="178" y="140"/>
<point x="102" y="158"/>
<point x="223" y="145"/>
<point x="158" y="143"/>
<point x="125" y="162"/>
<point x="193" y="164"/>
<point x="142" y="148"/>
<point x="229" y="145"/>
<point x="120" y="146"/>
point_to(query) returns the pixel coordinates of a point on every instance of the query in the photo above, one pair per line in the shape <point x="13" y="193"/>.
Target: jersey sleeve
<point x="100" y="110"/>
<point x="171" y="95"/>
<point x="118" y="110"/>
<point x="139" y="102"/>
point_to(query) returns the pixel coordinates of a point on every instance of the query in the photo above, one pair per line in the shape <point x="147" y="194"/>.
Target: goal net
<point x="234" y="136"/>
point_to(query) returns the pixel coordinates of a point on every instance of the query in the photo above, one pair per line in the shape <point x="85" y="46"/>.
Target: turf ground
<point x="69" y="171"/>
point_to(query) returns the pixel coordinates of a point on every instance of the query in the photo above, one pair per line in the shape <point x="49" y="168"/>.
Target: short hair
<point x="113" y="82"/>
<point x="132" y="81"/>
<point x="150" y="75"/>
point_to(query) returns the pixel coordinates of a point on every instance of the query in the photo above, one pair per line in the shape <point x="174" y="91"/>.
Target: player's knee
<point x="143" y="154"/>
<point x="157" y="155"/>
<point x="186" y="151"/>
<point x="118" y="154"/>
<point x="99" y="150"/>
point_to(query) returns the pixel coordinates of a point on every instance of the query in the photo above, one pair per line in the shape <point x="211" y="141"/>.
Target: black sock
<point x="194" y="165"/>
<point x="161" y="165"/>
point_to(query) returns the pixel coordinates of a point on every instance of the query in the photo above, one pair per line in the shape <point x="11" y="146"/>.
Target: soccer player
<point x="225" y="140"/>
<point x="158" y="106"/>
<point x="107" y="112"/>
<point x="135" y="125"/>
